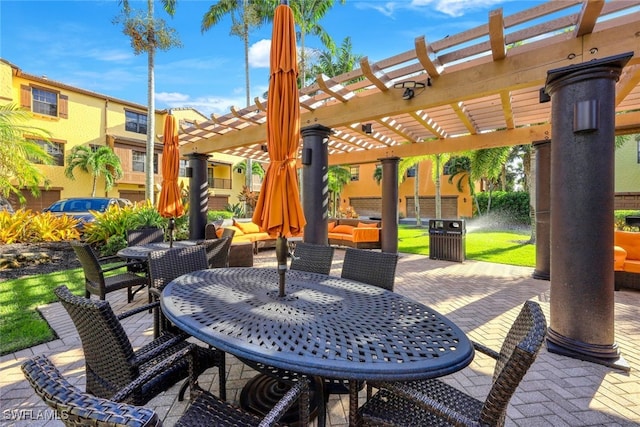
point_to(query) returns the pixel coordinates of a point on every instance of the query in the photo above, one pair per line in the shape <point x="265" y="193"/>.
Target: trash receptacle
<point x="447" y="239"/>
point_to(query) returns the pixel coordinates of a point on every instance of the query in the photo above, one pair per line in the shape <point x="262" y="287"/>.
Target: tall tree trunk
<point x="247" y="86"/>
<point x="416" y="195"/>
<point x="151" y="122"/>
<point x="438" y="188"/>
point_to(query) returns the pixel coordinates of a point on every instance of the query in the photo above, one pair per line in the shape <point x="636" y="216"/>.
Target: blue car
<point x="81" y="207"/>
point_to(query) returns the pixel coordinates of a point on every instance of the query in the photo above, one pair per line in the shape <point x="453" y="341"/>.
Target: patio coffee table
<point x="324" y="325"/>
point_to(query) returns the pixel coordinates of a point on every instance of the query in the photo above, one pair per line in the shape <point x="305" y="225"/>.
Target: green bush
<point x="620" y="219"/>
<point x="511" y="206"/>
<point x="218" y="215"/>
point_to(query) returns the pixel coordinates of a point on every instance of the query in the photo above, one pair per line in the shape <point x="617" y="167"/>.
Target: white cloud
<point x="171" y="97"/>
<point x="205" y="104"/>
<point x="453" y="8"/>
<point x="259" y="54"/>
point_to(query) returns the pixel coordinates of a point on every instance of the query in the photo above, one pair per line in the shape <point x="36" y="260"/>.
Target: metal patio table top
<point x="324" y="325"/>
<point x="141" y="251"/>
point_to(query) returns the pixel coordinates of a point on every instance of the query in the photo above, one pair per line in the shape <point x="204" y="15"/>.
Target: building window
<point x="411" y="172"/>
<point x="184" y="164"/>
<point x="139" y="161"/>
<point x="136" y="122"/>
<point x="45" y="102"/>
<point x="184" y="123"/>
<point x="54" y="149"/>
<point x="355" y="173"/>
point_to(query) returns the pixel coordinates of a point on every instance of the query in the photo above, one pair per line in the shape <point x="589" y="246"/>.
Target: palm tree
<point x="459" y="168"/>
<point x="19" y="155"/>
<point x="338" y="177"/>
<point x="101" y="161"/>
<point x="148" y="34"/>
<point x="339" y="62"/>
<point x="256" y="168"/>
<point x="245" y="15"/>
<point x="438" y="161"/>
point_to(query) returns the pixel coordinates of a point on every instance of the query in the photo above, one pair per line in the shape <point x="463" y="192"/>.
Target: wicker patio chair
<point x="166" y="265"/>
<point x="374" y="268"/>
<point x="217" y="252"/>
<point x="366" y="266"/>
<point x="96" y="282"/>
<point x="111" y="363"/>
<point x="432" y="402"/>
<point x="143" y="236"/>
<point x="312" y="258"/>
<point x="78" y="408"/>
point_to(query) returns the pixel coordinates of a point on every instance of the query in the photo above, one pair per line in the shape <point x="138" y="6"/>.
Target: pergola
<point x="483" y="88"/>
<point x="477" y="89"/>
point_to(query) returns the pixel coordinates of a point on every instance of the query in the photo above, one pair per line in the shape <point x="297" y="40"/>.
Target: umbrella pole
<point x="281" y="255"/>
<point x="172" y="226"/>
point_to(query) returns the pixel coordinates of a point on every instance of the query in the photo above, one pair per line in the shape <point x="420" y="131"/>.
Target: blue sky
<point x="76" y="42"/>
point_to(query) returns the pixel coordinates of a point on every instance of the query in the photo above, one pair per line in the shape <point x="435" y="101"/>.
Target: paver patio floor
<point x="482" y="298"/>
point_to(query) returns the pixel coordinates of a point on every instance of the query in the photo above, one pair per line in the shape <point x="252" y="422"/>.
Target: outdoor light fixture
<point x="264" y="148"/>
<point x="409" y="87"/>
<point x="543" y="96"/>
<point x="367" y="128"/>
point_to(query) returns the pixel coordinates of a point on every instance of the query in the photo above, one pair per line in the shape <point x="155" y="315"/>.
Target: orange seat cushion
<point x="331" y="226"/>
<point x="247" y="227"/>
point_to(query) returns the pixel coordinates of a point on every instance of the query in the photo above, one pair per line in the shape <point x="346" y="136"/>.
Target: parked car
<point x="5" y="205"/>
<point x="81" y="207"/>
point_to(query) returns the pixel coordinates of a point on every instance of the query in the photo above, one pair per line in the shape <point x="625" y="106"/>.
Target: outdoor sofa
<point x="355" y="233"/>
<point x="626" y="259"/>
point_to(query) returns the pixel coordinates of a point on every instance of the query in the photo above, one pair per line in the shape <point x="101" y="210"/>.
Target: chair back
<point x="374" y="268"/>
<point x="107" y="350"/>
<point x="210" y="231"/>
<point x="166" y="265"/>
<point x="144" y="236"/>
<point x="517" y="354"/>
<point x="217" y="252"/>
<point x="93" y="274"/>
<point x="228" y="232"/>
<point x="312" y="258"/>
<point x="77" y="408"/>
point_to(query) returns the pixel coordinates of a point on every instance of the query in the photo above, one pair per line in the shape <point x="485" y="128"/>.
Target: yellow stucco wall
<point x="627" y="170"/>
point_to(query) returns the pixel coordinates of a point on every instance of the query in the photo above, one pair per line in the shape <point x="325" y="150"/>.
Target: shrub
<point x="512" y="207"/>
<point x="218" y="215"/>
<point x="25" y="226"/>
<point x="620" y="216"/>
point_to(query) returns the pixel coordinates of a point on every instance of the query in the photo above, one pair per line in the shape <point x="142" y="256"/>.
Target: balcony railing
<point x="221" y="183"/>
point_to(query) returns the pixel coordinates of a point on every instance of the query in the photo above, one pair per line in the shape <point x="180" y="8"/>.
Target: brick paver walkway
<point x="482" y="298"/>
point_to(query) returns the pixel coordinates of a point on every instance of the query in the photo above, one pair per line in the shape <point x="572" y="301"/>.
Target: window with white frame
<point x="135" y="122"/>
<point x="54" y="149"/>
<point x="139" y="161"/>
<point x="44" y="102"/>
<point x="184" y="164"/>
<point x="355" y="173"/>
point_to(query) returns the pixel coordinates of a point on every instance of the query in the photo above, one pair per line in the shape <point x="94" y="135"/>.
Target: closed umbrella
<point x="278" y="210"/>
<point x="170" y="200"/>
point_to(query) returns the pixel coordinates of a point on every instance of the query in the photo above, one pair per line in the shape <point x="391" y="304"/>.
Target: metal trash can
<point x="447" y="239"/>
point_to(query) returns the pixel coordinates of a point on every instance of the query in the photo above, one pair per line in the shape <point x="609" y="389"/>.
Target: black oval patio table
<point x="324" y="325"/>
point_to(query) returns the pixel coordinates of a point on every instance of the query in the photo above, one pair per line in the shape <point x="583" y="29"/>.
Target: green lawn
<point x="501" y="247"/>
<point x="21" y="325"/>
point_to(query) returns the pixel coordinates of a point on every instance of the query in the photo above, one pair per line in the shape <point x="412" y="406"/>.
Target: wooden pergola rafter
<point x="485" y="88"/>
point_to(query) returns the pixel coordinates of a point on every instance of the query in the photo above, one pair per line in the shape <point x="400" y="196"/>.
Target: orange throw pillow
<point x="367" y="225"/>
<point x="344" y="229"/>
<point x="331" y="225"/>
<point x="238" y="231"/>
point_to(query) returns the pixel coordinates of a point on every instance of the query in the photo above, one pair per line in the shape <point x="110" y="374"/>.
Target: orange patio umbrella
<point x="278" y="210"/>
<point x="170" y="200"/>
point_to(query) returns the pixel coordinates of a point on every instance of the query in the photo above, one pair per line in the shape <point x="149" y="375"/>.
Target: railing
<point x="221" y="183"/>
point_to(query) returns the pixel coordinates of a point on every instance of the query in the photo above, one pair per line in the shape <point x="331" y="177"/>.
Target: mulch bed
<point x="26" y="259"/>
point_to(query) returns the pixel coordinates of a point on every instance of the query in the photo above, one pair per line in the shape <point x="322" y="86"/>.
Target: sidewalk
<point x="482" y="298"/>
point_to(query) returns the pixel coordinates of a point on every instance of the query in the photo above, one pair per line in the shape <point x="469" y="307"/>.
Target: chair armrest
<point x="123" y="393"/>
<point x="300" y="389"/>
<point x="142" y="358"/>
<point x="137" y="310"/>
<point x="486" y="350"/>
<point x="119" y="266"/>
<point x="410" y="393"/>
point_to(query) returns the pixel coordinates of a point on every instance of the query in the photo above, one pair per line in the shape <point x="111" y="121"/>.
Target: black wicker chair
<point x="166" y="265"/>
<point x="312" y="258"/>
<point x="432" y="402"/>
<point x="143" y="236"/>
<point x="96" y="282"/>
<point x="77" y="408"/>
<point x="217" y="252"/>
<point x="112" y="364"/>
<point x="375" y="268"/>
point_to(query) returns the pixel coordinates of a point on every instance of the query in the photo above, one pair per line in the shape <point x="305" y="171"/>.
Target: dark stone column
<point x="582" y="221"/>
<point x="198" y="195"/>
<point x="315" y="186"/>
<point x="543" y="209"/>
<point x="389" y="237"/>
